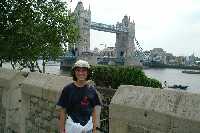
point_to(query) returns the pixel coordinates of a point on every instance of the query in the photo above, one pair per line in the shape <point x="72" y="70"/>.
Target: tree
<point x="33" y="29"/>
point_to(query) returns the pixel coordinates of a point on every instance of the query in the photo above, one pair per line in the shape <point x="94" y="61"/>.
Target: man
<point x="78" y="101"/>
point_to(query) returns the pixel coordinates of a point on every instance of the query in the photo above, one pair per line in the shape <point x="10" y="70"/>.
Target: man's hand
<point x="94" y="130"/>
<point x="61" y="121"/>
<point x="63" y="131"/>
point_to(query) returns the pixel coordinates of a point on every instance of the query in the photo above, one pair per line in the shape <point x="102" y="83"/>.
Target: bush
<point x="115" y="76"/>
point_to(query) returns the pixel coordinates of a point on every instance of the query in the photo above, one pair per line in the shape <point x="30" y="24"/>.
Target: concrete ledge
<point x="6" y="76"/>
<point x="46" y="86"/>
<point x="28" y="101"/>
<point x="10" y="81"/>
<point x="154" y="110"/>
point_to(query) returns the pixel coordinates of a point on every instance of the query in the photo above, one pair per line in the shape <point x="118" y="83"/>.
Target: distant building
<point x="96" y="50"/>
<point x="180" y="60"/>
<point x="170" y="59"/>
<point x="108" y="52"/>
<point x="147" y="56"/>
<point x="158" y="55"/>
<point x="190" y="60"/>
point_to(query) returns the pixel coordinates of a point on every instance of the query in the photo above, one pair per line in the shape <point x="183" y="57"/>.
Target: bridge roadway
<point x="108" y="28"/>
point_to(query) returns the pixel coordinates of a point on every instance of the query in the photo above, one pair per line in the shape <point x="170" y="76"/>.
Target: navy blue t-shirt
<point x="79" y="102"/>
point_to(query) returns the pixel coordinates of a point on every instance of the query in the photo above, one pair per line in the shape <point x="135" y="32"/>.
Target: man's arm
<point x="61" y="121"/>
<point x="94" y="120"/>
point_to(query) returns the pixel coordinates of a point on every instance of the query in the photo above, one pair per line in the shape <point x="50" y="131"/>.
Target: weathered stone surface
<point x="40" y="93"/>
<point x="41" y="115"/>
<point x="10" y="81"/>
<point x="6" y="76"/>
<point x="154" y="110"/>
<point x="28" y="101"/>
<point x="2" y="113"/>
<point x="46" y="86"/>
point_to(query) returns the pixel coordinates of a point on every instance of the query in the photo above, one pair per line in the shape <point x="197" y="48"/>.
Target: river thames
<point x="175" y="76"/>
<point x="172" y="76"/>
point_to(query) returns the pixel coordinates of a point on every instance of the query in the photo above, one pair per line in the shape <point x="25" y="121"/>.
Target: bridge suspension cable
<point x="140" y="52"/>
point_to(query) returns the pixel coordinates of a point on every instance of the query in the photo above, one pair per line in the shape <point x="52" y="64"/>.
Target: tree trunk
<point x="32" y="67"/>
<point x="38" y="67"/>
<point x="12" y="64"/>
<point x="1" y="62"/>
<point x="43" y="66"/>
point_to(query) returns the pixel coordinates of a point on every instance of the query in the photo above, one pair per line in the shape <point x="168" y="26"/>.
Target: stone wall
<point x="40" y="93"/>
<point x="2" y="113"/>
<point x="28" y="101"/>
<point x="27" y="105"/>
<point x="135" y="109"/>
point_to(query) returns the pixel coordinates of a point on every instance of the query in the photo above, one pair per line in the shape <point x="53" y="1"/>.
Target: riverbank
<point x="172" y="76"/>
<point x="171" y="66"/>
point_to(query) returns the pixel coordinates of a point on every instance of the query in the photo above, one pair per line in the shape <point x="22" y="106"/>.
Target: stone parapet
<point x="149" y="110"/>
<point x="6" y="76"/>
<point x="44" y="86"/>
<point x="28" y="101"/>
<point x="2" y="113"/>
<point x="40" y="93"/>
<point x="10" y="100"/>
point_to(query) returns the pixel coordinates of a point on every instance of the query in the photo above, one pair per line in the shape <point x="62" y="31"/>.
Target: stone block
<point x="154" y="110"/>
<point x="46" y="86"/>
<point x="118" y="126"/>
<point x="28" y="101"/>
<point x="181" y="125"/>
<point x="6" y="77"/>
<point x="140" y="117"/>
<point x="188" y="106"/>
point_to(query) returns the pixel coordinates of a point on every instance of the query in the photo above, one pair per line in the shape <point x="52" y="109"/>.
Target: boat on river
<point x="191" y="71"/>
<point x="182" y="87"/>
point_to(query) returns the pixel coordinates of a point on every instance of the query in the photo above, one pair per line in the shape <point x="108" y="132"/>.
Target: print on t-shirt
<point x="84" y="102"/>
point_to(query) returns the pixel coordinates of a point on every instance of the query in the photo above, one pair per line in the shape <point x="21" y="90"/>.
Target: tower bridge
<point x="124" y="30"/>
<point x="108" y="28"/>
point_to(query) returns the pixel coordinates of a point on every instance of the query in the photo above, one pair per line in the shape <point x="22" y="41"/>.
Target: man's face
<point x="81" y="73"/>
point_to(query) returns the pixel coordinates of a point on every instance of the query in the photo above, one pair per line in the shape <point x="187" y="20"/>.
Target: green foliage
<point x="31" y="29"/>
<point x="115" y="76"/>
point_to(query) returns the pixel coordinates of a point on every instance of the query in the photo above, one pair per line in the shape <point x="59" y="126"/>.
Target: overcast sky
<point x="173" y="25"/>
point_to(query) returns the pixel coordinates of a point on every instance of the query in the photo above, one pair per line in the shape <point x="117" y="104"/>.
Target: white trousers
<point x="71" y="127"/>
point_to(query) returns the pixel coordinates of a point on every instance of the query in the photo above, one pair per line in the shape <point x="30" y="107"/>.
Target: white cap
<point x="82" y="63"/>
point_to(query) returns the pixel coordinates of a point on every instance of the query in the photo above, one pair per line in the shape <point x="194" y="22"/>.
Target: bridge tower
<point x="83" y="18"/>
<point x="125" y="46"/>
